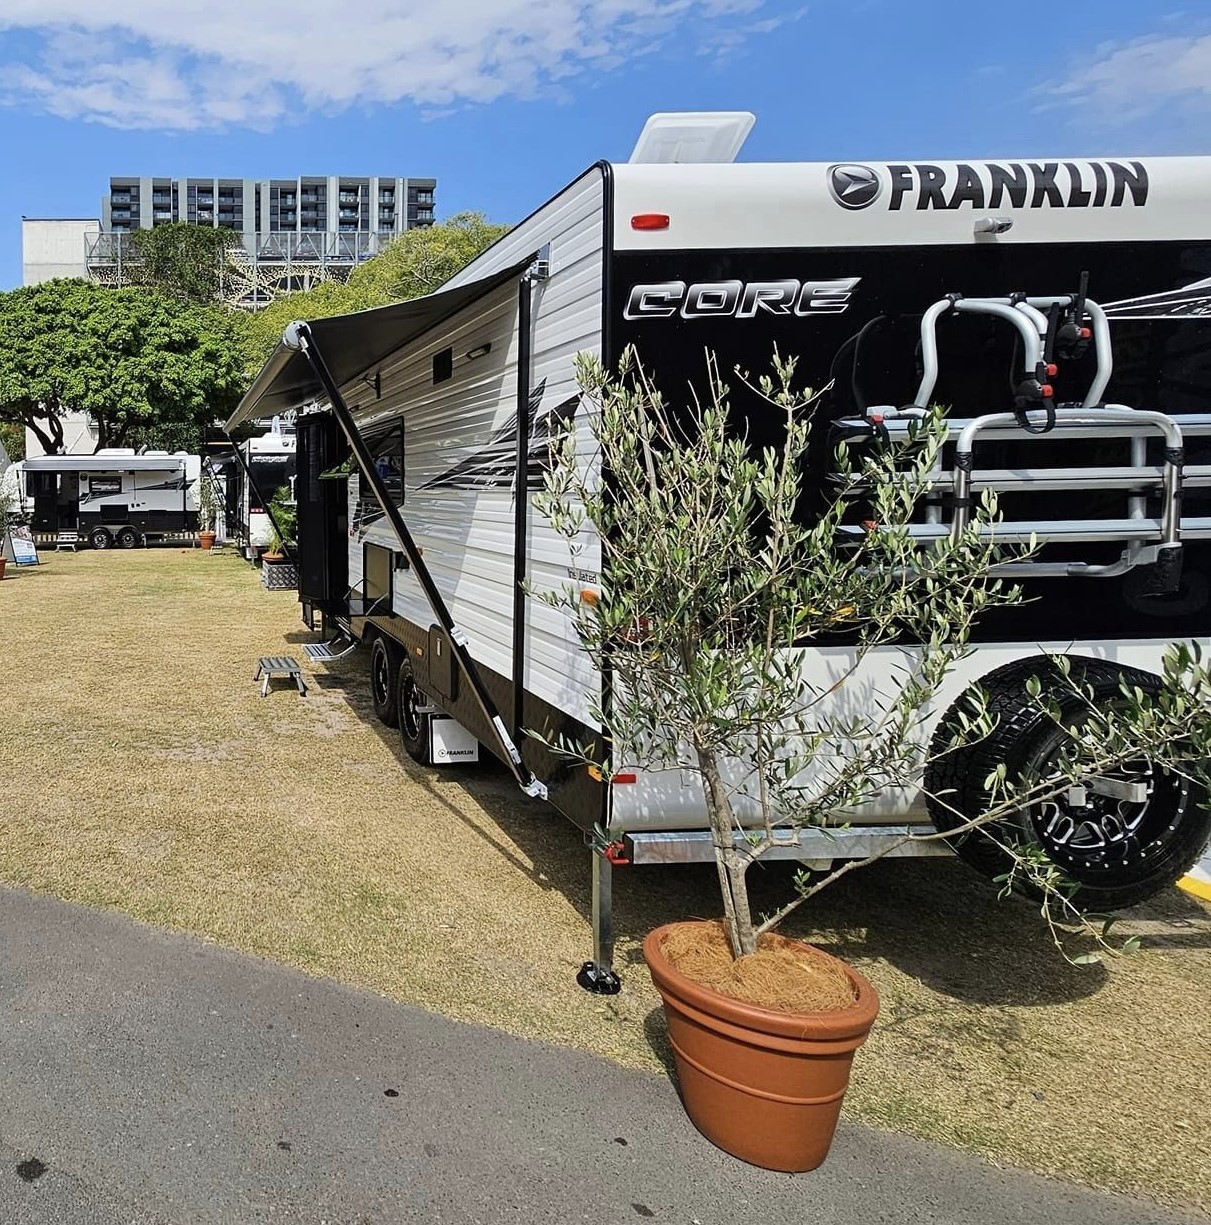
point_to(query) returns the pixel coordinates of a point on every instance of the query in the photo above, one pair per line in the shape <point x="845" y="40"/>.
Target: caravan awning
<point x="105" y="463"/>
<point x="354" y="344"/>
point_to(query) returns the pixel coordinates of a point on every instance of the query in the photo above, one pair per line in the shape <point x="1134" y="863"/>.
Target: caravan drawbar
<point x="1060" y="309"/>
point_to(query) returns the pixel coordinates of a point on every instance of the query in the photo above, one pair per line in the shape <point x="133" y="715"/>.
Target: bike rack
<point x="1051" y="326"/>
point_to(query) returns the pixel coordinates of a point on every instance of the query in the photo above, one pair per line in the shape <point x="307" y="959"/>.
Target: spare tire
<point x="1116" y="852"/>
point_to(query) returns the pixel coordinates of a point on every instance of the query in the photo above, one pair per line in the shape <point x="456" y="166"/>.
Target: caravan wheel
<point x="128" y="538"/>
<point x="100" y="538"/>
<point x="1117" y="852"/>
<point x="384" y="677"/>
<point x="413" y="724"/>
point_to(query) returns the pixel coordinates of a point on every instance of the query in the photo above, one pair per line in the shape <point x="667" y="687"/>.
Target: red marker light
<point x="1047" y="390"/>
<point x="650" y="221"/>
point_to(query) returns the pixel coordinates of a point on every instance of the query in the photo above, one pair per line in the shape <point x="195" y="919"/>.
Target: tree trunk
<point x="52" y="441"/>
<point x="730" y="863"/>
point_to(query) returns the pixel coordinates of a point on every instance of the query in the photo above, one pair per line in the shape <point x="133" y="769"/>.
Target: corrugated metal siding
<point x="467" y="533"/>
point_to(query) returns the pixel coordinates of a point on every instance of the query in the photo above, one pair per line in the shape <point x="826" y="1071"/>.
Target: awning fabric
<point x="354" y="344"/>
<point x="105" y="463"/>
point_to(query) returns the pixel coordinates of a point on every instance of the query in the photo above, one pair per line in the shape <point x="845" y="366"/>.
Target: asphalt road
<point x="147" y="1077"/>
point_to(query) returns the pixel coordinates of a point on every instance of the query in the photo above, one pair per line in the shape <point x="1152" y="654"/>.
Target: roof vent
<point x="693" y="136"/>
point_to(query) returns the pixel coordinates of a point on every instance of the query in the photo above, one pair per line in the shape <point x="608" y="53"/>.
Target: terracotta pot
<point x="764" y="1086"/>
<point x="206" y="540"/>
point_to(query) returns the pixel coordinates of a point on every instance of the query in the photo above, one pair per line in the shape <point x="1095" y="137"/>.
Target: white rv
<point x="1060" y="307"/>
<point x="255" y="471"/>
<point x="116" y="497"/>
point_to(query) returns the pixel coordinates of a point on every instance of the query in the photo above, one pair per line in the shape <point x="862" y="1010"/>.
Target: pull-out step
<point x="325" y="652"/>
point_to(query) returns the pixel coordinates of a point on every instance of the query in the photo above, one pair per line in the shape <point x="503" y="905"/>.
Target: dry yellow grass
<point x="140" y="770"/>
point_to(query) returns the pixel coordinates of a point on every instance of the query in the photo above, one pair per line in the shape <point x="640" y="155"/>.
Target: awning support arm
<point x="298" y="336"/>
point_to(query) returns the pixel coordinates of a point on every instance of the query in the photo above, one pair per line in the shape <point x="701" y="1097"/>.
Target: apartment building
<point x="294" y="232"/>
<point x="310" y="204"/>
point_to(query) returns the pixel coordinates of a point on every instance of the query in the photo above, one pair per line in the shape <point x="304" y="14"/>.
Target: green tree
<point x="420" y="260"/>
<point x="263" y="329"/>
<point x="182" y="260"/>
<point x="147" y="369"/>
<point x="415" y="263"/>
<point x="12" y="439"/>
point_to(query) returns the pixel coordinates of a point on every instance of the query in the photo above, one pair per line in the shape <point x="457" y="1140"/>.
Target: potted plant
<point x="208" y="511"/>
<point x="283" y="525"/>
<point x="713" y="580"/>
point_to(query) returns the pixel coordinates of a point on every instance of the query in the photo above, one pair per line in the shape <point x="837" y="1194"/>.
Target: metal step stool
<point x="269" y="666"/>
<point x="67" y="540"/>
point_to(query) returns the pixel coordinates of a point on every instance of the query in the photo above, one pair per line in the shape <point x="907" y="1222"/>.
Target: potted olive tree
<point x="208" y="511"/>
<point x="714" y="580"/>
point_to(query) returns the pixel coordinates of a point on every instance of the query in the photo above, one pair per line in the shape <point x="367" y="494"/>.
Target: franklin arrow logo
<point x="854" y="186"/>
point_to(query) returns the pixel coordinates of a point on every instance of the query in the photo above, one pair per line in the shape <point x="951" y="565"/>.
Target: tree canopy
<point x="182" y="260"/>
<point x="415" y="263"/>
<point x="147" y="369"/>
<point x="420" y="260"/>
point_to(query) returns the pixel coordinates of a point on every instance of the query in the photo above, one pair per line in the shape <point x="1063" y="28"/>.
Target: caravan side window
<point x="388" y="451"/>
<point x="39" y="484"/>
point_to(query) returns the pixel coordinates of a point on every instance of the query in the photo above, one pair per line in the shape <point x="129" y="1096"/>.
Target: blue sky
<point x="506" y="100"/>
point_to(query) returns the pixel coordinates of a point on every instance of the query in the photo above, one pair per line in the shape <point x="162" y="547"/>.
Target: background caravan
<point x="256" y="469"/>
<point x="897" y="285"/>
<point x="115" y="498"/>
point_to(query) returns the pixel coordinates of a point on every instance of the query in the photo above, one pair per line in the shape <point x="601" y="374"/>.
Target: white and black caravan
<point x="252" y="474"/>
<point x="1060" y="308"/>
<point x="117" y="497"/>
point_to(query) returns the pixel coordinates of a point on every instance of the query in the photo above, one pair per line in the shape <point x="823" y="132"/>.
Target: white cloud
<point x="207" y="64"/>
<point x="1129" y="81"/>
